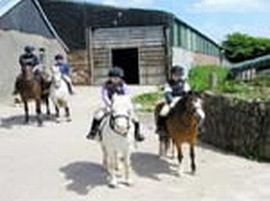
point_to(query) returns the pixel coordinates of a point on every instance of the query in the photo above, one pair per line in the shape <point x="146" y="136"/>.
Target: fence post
<point x="213" y="81"/>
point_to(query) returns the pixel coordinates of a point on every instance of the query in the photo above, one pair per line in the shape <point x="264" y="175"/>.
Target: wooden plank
<point x="150" y="63"/>
<point x="152" y="54"/>
<point x="147" y="49"/>
<point x="152" y="70"/>
<point x="109" y="44"/>
<point x="128" y="32"/>
<point x="147" y="33"/>
<point x="129" y="43"/>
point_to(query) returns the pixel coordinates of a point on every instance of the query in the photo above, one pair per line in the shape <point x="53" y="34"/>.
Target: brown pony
<point x="30" y="88"/>
<point x="181" y="126"/>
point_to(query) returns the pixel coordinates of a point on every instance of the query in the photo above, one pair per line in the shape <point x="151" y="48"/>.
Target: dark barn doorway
<point x="128" y="60"/>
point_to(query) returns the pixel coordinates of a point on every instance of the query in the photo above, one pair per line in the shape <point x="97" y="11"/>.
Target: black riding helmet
<point x="116" y="72"/>
<point x="59" y="57"/>
<point x="29" y="49"/>
<point x="177" y="70"/>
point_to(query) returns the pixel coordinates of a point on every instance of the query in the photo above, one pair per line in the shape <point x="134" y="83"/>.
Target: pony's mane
<point x="180" y="106"/>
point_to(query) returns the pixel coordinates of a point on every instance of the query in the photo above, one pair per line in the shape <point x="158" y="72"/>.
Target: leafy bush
<point x="240" y="47"/>
<point x="199" y="77"/>
<point x="148" y="100"/>
<point x="262" y="81"/>
<point x="234" y="87"/>
<point x="199" y="81"/>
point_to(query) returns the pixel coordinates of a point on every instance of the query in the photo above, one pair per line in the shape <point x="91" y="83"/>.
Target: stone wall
<point x="237" y="125"/>
<point x="11" y="46"/>
<point x="80" y="67"/>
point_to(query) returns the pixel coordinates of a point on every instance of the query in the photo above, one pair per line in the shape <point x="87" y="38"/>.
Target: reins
<point x="112" y="123"/>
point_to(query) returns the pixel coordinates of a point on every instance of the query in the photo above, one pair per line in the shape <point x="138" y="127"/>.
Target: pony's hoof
<point x="129" y="182"/>
<point x="68" y="120"/>
<point x="58" y="121"/>
<point x="180" y="173"/>
<point x="113" y="184"/>
<point x="40" y="123"/>
<point x="193" y="173"/>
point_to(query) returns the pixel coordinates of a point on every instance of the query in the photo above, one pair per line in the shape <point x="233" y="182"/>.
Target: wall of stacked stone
<point x="238" y="125"/>
<point x="80" y="67"/>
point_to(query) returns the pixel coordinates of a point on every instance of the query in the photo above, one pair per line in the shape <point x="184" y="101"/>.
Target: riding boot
<point x="94" y="129"/>
<point x="70" y="90"/>
<point x="138" y="136"/>
<point x="160" y="125"/>
<point x="16" y="86"/>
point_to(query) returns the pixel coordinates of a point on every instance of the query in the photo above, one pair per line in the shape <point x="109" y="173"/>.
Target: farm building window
<point x="175" y="35"/>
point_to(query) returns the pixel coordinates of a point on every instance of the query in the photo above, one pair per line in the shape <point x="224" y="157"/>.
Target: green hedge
<point x="199" y="77"/>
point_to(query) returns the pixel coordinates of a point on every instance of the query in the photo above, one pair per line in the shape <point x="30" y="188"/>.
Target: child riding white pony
<point x="117" y="131"/>
<point x="59" y="93"/>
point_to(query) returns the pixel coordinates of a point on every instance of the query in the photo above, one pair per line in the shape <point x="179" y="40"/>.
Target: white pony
<point x="59" y="93"/>
<point x="117" y="131"/>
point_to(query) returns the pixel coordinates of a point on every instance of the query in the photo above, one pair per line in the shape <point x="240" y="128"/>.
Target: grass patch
<point x="148" y="101"/>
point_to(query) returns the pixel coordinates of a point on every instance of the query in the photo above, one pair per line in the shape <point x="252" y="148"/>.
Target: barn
<point x="23" y="22"/>
<point x="145" y="43"/>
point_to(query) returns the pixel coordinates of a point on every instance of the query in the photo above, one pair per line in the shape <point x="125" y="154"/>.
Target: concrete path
<point x="56" y="162"/>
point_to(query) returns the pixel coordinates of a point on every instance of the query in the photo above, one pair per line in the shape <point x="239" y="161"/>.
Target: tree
<point x="240" y="47"/>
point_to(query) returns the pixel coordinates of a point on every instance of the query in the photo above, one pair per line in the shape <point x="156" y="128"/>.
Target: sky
<point x="215" y="18"/>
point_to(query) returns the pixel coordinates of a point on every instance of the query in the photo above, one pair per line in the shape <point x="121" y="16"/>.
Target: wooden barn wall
<point x="150" y="42"/>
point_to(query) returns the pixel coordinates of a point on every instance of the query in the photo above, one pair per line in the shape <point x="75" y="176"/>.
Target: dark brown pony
<point x="30" y="89"/>
<point x="181" y="126"/>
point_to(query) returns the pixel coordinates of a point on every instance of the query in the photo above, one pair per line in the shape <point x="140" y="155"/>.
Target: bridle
<point x="112" y="120"/>
<point x="56" y="82"/>
<point x="193" y="110"/>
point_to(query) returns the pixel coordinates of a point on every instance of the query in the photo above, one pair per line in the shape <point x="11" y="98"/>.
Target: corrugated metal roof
<point x="74" y="16"/>
<point x="6" y="5"/>
<point x="257" y="63"/>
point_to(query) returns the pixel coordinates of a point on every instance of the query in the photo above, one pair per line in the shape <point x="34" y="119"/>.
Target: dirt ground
<point x="56" y="162"/>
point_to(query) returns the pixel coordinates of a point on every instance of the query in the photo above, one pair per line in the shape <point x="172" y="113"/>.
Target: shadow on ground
<point x="83" y="176"/>
<point x="150" y="165"/>
<point x="19" y="120"/>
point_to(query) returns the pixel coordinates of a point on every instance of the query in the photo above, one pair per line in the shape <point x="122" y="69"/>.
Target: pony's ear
<point x="194" y="93"/>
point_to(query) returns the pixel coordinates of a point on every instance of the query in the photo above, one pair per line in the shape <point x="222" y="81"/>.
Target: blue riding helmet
<point x="59" y="57"/>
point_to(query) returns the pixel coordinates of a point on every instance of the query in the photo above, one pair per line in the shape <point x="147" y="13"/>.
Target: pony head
<point x="121" y="113"/>
<point x="56" y="76"/>
<point x="194" y="104"/>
